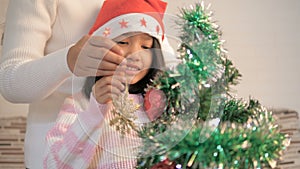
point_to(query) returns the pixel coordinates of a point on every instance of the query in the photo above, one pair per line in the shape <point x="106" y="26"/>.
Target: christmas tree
<point x="202" y="125"/>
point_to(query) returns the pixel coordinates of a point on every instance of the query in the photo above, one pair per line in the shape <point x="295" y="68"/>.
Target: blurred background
<point x="263" y="40"/>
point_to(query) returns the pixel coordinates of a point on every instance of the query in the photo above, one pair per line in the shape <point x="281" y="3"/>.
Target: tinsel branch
<point x="231" y="145"/>
<point x="247" y="135"/>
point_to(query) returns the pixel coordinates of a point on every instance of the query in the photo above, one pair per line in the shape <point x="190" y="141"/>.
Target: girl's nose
<point x="133" y="52"/>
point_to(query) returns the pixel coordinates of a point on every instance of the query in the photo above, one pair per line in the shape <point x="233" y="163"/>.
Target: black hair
<point x="157" y="65"/>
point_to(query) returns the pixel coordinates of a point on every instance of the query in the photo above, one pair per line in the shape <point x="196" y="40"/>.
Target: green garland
<point x="252" y="141"/>
<point x="197" y="92"/>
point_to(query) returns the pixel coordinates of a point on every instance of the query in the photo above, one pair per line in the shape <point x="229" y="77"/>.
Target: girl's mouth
<point x="132" y="69"/>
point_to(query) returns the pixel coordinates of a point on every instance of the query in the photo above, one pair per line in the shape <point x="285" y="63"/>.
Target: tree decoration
<point x="123" y="113"/>
<point x="154" y="103"/>
<point x="202" y="125"/>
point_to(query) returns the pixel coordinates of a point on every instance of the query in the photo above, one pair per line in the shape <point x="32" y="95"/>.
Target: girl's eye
<point x="122" y="42"/>
<point x="146" y="47"/>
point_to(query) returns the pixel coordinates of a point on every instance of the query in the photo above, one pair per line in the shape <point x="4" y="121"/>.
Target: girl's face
<point x="136" y="48"/>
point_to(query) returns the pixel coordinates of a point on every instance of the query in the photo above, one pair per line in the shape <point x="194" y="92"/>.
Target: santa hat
<point x="117" y="17"/>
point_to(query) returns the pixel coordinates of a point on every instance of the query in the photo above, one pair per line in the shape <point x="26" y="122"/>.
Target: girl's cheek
<point x="147" y="63"/>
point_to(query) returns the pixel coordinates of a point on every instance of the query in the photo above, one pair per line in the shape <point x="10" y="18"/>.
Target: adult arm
<point x="26" y="73"/>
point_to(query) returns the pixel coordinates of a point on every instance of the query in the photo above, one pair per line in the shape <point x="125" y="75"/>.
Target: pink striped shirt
<point x="84" y="139"/>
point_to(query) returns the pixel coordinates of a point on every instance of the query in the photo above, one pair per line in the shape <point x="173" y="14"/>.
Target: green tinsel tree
<point x="203" y="126"/>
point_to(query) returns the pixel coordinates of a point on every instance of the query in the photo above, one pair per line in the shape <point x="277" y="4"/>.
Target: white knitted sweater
<point x="33" y="67"/>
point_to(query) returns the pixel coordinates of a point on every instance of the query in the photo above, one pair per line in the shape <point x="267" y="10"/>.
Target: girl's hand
<point x="108" y="87"/>
<point x="94" y="56"/>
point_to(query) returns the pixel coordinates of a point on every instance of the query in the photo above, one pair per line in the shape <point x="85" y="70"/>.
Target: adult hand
<point x="109" y="87"/>
<point x="94" y="56"/>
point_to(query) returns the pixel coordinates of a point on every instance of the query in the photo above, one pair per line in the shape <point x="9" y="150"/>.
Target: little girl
<point x="85" y="137"/>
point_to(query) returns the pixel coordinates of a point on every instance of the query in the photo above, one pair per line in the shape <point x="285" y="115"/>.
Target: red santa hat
<point x="117" y="17"/>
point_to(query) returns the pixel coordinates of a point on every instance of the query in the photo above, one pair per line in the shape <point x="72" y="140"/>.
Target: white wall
<point x="263" y="40"/>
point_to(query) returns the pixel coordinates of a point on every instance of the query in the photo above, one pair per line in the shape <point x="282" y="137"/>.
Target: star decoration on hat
<point x="157" y="29"/>
<point x="106" y="32"/>
<point x="123" y="24"/>
<point x="143" y="22"/>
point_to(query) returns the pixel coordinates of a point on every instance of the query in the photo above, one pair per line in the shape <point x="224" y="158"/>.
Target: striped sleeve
<point x="72" y="141"/>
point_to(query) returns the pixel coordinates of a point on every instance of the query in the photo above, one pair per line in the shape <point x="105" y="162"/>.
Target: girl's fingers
<point x="106" y="94"/>
<point x="108" y="85"/>
<point x="106" y="98"/>
<point x="115" y="81"/>
<point x="106" y="90"/>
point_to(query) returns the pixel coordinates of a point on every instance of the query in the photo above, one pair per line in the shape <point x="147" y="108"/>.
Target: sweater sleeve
<point x="72" y="141"/>
<point x="26" y="73"/>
